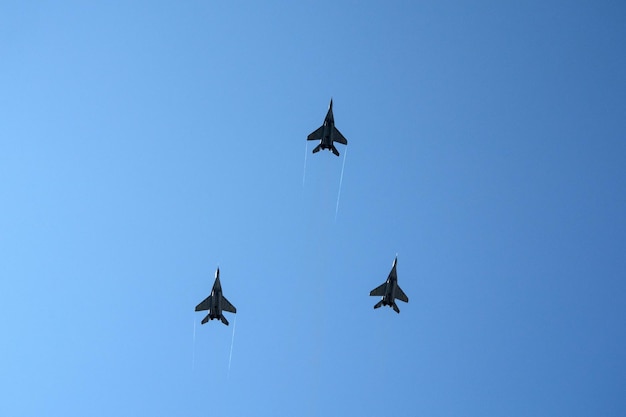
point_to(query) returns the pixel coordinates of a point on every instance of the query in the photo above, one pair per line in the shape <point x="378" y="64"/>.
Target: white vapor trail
<point x="193" y="354"/>
<point x="232" y="342"/>
<point x="304" y="170"/>
<point x="340" y="181"/>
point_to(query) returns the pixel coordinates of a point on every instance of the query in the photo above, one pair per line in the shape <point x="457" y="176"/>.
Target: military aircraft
<point x="390" y="290"/>
<point x="216" y="303"/>
<point x="328" y="133"/>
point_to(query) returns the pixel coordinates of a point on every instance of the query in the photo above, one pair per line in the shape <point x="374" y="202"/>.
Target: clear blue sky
<point x="142" y="144"/>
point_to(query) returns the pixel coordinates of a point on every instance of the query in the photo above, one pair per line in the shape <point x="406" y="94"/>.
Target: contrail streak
<point x="304" y="170"/>
<point x="340" y="181"/>
<point x="193" y="354"/>
<point x="232" y="342"/>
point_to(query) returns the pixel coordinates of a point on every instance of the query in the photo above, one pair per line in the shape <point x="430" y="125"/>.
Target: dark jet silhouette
<point x="216" y="303"/>
<point x="390" y="291"/>
<point x="327" y="134"/>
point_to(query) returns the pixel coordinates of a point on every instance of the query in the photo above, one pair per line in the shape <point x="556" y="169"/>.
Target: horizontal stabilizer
<point x="224" y="319"/>
<point x="335" y="151"/>
<point x="204" y="320"/>
<point x="395" y="308"/>
<point x="379" y="291"/>
<point x="378" y="304"/>
<point x="317" y="148"/>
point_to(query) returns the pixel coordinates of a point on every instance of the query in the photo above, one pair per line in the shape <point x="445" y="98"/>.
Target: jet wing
<point x="400" y="295"/>
<point x="380" y="290"/>
<point x="227" y="306"/>
<point x="317" y="135"/>
<point x="338" y="137"/>
<point x="204" y="305"/>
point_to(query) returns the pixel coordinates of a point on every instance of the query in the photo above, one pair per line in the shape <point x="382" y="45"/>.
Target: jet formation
<point x="327" y="134"/>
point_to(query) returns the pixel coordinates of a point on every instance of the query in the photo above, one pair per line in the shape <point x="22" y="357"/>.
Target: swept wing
<point x="380" y="290"/>
<point x="400" y="295"/>
<point x="317" y="134"/>
<point x="338" y="137"/>
<point x="204" y="305"/>
<point x="227" y="306"/>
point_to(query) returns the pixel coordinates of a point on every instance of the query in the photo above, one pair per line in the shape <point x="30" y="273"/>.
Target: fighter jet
<point x="328" y="133"/>
<point x="390" y="291"/>
<point x="216" y="303"/>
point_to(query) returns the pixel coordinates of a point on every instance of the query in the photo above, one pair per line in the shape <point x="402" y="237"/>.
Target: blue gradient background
<point x="142" y="144"/>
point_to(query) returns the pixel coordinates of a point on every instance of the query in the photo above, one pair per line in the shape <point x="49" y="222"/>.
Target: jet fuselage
<point x="329" y="123"/>
<point x="215" y="311"/>
<point x="390" y="293"/>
